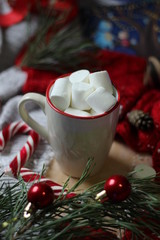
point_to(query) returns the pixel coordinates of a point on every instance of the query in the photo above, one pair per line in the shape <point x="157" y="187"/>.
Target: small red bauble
<point x="40" y="194"/>
<point x="117" y="188"/>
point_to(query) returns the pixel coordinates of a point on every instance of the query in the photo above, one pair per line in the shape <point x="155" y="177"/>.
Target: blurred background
<point x="127" y="26"/>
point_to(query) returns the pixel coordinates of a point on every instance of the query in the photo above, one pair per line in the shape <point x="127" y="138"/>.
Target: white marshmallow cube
<point x="77" y="112"/>
<point x="101" y="100"/>
<point x="61" y="93"/>
<point x="101" y="79"/>
<point x="79" y="76"/>
<point x="80" y="91"/>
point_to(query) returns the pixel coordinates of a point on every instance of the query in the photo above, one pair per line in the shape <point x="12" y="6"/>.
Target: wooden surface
<point x="121" y="160"/>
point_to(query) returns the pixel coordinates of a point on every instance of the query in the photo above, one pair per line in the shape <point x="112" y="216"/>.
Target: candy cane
<point x="27" y="150"/>
<point x="16" y="165"/>
<point x="30" y="176"/>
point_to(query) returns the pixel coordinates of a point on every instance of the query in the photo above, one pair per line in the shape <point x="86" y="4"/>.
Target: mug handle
<point x="39" y="100"/>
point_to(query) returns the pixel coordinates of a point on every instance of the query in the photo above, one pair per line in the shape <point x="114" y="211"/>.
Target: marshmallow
<point x="77" y="112"/>
<point x="80" y="91"/>
<point x="61" y="93"/>
<point x="100" y="100"/>
<point x="101" y="79"/>
<point x="79" y="76"/>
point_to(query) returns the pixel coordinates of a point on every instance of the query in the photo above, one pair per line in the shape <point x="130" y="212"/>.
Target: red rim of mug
<point x="74" y="116"/>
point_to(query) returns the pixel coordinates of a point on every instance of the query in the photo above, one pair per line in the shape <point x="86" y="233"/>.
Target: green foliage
<point x="82" y="215"/>
<point x="56" y="46"/>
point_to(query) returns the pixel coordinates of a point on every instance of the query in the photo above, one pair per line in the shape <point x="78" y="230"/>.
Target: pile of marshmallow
<point x="83" y="93"/>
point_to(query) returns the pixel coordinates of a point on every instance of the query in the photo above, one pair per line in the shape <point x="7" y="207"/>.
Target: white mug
<point x="74" y="139"/>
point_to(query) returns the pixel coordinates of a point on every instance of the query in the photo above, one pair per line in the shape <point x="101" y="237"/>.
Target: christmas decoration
<point x="143" y="141"/>
<point x="75" y="218"/>
<point x="16" y="166"/>
<point x="140" y="120"/>
<point x="117" y="188"/>
<point x="27" y="150"/>
<point x="40" y="194"/>
<point x="30" y="177"/>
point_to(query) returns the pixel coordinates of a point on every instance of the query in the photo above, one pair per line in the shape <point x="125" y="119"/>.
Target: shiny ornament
<point x="117" y="188"/>
<point x="40" y="195"/>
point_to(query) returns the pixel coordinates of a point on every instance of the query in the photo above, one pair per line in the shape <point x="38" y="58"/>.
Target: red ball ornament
<point x="40" y="194"/>
<point x="117" y="188"/>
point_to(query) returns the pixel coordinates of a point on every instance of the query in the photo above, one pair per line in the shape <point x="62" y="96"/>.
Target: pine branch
<point x="55" y="48"/>
<point x="82" y="215"/>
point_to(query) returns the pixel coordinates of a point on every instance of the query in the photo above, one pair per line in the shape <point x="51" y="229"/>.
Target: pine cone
<point x="140" y="120"/>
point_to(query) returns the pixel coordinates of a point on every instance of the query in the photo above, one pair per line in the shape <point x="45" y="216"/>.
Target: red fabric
<point x="97" y="234"/>
<point x="156" y="158"/>
<point x="37" y="80"/>
<point x="126" y="73"/>
<point x="58" y="5"/>
<point x="128" y="236"/>
<point x="35" y="4"/>
<point x="156" y="154"/>
<point x="143" y="141"/>
<point x="20" y="10"/>
<point x="18" y="13"/>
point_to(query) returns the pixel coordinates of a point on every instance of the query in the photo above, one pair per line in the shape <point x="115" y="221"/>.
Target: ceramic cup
<point x="74" y="139"/>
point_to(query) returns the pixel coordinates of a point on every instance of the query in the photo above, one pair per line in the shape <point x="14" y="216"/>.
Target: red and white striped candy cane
<point x="16" y="165"/>
<point x="27" y="150"/>
<point x="30" y="176"/>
